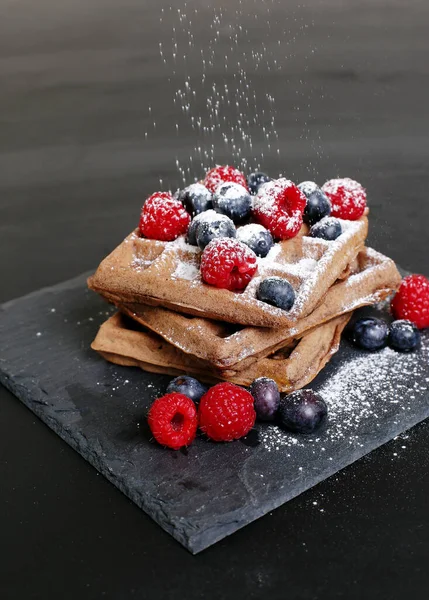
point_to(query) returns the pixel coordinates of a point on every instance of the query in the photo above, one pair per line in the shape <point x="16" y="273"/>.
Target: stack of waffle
<point x="169" y="321"/>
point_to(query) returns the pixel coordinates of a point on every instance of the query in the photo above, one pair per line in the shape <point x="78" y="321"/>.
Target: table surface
<point x="82" y="85"/>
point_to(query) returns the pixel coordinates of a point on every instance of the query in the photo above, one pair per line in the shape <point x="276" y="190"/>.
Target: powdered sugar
<point x="348" y="197"/>
<point x="389" y="376"/>
<point x="300" y="269"/>
<point x="231" y="190"/>
<point x="139" y="263"/>
<point x="346" y="185"/>
<point x="308" y="187"/>
<point x="197" y="189"/>
<point x="364" y="390"/>
<point x="303" y="268"/>
<point x="185" y="270"/>
<point x="180" y="244"/>
<point x="269" y="207"/>
<point x="333" y="248"/>
<point x="248" y="233"/>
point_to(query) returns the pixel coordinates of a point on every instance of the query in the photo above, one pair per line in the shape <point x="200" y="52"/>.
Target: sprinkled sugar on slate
<point x="213" y="490"/>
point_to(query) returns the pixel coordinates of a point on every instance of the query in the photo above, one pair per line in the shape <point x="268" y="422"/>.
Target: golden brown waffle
<point x="373" y="278"/>
<point x="292" y="367"/>
<point x="167" y="274"/>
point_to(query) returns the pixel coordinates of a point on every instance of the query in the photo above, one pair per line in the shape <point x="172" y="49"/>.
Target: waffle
<point x="122" y="341"/>
<point x="371" y="278"/>
<point x="167" y="274"/>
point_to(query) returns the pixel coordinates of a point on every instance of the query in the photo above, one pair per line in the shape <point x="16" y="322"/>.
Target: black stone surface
<point x="210" y="490"/>
<point x="77" y="80"/>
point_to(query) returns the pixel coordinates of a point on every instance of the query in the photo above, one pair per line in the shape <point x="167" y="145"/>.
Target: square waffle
<point x="370" y="278"/>
<point x="124" y="342"/>
<point x="167" y="274"/>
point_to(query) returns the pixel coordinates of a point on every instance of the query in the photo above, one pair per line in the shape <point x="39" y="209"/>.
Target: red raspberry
<point x="219" y="175"/>
<point x="228" y="263"/>
<point x="173" y="420"/>
<point x="226" y="412"/>
<point x="279" y="207"/>
<point x="348" y="198"/>
<point x="412" y="301"/>
<point x="163" y="218"/>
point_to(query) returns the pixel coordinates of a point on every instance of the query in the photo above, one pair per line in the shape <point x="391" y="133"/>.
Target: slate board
<point x="209" y="491"/>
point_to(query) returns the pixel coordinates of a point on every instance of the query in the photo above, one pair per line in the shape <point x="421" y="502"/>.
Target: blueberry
<point x="255" y="180"/>
<point x="213" y="225"/>
<point x="318" y="205"/>
<point x="256" y="237"/>
<point x="308" y="187"/>
<point x="233" y="200"/>
<point x="369" y="333"/>
<point x="328" y="228"/>
<point x="267" y="398"/>
<point x="192" y="229"/>
<point x="196" y="198"/>
<point x="303" y="411"/>
<point x="276" y="291"/>
<point x="188" y="386"/>
<point x="404" y="336"/>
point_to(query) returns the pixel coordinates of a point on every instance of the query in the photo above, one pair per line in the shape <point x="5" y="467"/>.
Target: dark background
<point x="82" y="84"/>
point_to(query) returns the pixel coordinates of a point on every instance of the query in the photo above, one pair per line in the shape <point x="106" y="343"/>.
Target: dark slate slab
<point x="208" y="492"/>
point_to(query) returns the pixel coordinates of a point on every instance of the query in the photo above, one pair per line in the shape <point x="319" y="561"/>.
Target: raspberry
<point x="173" y="420"/>
<point x="348" y="198"/>
<point x="219" y="175"/>
<point x="226" y="412"/>
<point x="163" y="218"/>
<point x="227" y="263"/>
<point x="279" y="206"/>
<point x="412" y="301"/>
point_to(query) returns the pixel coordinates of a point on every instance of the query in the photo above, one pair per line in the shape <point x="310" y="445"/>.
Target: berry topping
<point x="220" y="175"/>
<point x="211" y="225"/>
<point x="412" y="301"/>
<point x="173" y="420"/>
<point x="267" y="398"/>
<point x="308" y="187"/>
<point x="303" y="411"/>
<point x="227" y="263"/>
<point x="226" y="412"/>
<point x="404" y="336"/>
<point x="328" y="228"/>
<point x="348" y="198"/>
<point x="191" y="236"/>
<point x="318" y="205"/>
<point x="196" y="198"/>
<point x="369" y="333"/>
<point x="163" y="218"/>
<point x="255" y="180"/>
<point x="277" y="292"/>
<point x="188" y="386"/>
<point x="279" y="206"/>
<point x="233" y="200"/>
<point x="256" y="237"/>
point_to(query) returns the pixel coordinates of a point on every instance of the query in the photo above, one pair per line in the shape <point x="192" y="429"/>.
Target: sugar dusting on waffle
<point x="187" y="270"/>
<point x="305" y="272"/>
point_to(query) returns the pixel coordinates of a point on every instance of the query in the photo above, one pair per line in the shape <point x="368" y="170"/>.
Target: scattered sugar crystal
<point x="362" y="390"/>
